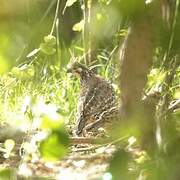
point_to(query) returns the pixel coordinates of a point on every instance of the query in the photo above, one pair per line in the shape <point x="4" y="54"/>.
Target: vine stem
<point x="55" y="17"/>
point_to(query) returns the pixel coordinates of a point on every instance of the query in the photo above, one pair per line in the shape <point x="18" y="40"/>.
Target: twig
<point x="88" y="157"/>
<point x="109" y="143"/>
<point x="83" y="140"/>
<point x="92" y="148"/>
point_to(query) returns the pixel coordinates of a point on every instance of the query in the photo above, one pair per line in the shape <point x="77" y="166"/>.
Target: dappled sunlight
<point x="115" y="115"/>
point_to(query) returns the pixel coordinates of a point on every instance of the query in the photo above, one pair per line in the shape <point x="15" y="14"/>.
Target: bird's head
<point x="79" y="70"/>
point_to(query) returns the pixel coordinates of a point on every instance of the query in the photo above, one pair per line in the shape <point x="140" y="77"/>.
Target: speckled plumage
<point x="96" y="99"/>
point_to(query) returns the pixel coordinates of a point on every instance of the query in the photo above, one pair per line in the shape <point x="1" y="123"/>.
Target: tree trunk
<point x="136" y="60"/>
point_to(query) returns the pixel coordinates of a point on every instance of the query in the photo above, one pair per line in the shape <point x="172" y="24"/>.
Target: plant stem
<point x="55" y="17"/>
<point x="57" y="42"/>
<point x="86" y="31"/>
<point x="171" y="39"/>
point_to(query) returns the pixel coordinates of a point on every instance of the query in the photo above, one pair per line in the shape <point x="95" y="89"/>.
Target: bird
<point x="96" y="100"/>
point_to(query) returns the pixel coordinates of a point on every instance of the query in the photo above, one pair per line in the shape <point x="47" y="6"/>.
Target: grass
<point x="27" y="95"/>
<point x="55" y="87"/>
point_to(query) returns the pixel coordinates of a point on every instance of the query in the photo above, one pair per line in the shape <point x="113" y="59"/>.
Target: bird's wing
<point x="83" y="104"/>
<point x="103" y="98"/>
<point x="93" y="103"/>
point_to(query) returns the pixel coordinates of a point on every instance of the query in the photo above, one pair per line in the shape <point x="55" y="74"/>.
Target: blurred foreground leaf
<point x="9" y="145"/>
<point x="7" y="174"/>
<point x="55" y="146"/>
<point x="119" y="165"/>
<point x="51" y="122"/>
<point x="4" y="66"/>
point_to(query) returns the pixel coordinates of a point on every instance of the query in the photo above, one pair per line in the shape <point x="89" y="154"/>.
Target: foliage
<point x="7" y="174"/>
<point x="38" y="95"/>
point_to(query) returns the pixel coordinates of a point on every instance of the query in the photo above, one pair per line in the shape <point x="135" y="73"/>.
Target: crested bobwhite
<point x="96" y="99"/>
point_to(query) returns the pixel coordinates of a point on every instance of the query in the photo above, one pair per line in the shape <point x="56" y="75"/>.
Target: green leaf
<point x="31" y="71"/>
<point x="78" y="26"/>
<point x="119" y="165"/>
<point x="48" y="46"/>
<point x="23" y="73"/>
<point x="143" y="157"/>
<point x="50" y="122"/>
<point x="7" y="174"/>
<point x="50" y="40"/>
<point x="46" y="49"/>
<point x="16" y="71"/>
<point x="32" y="53"/>
<point x="4" y="65"/>
<point x="70" y="3"/>
<point x="156" y="77"/>
<point x="55" y="146"/>
<point x="9" y="145"/>
<point x="176" y="95"/>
